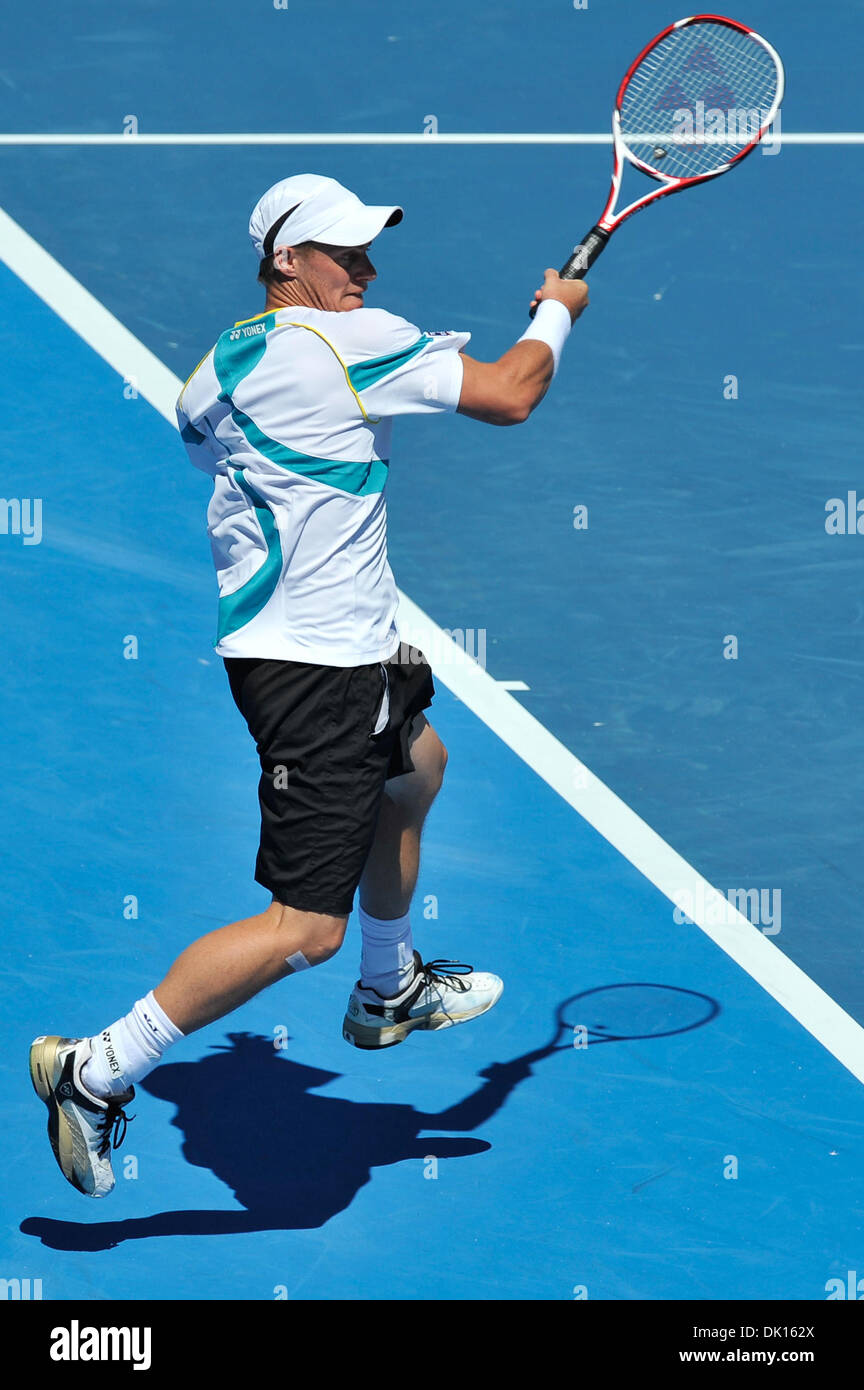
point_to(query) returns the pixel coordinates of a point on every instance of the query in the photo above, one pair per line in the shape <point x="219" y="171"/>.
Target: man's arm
<point x="505" y="392"/>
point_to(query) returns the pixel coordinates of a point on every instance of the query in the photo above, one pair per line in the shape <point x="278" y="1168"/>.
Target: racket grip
<point x="585" y="254"/>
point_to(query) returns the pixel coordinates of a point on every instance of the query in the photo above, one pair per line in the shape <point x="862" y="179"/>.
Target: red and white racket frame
<point x="585" y="254"/>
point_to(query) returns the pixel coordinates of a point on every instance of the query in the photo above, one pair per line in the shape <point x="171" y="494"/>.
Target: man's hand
<point x="505" y="392"/>
<point x="573" y="294"/>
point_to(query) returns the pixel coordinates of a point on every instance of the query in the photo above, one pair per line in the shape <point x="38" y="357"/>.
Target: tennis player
<point x="290" y="415"/>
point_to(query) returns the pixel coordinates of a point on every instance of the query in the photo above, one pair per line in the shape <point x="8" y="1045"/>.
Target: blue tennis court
<point x="667" y="710"/>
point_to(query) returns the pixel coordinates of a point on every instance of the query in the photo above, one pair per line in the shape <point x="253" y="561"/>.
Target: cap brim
<point x="360" y="227"/>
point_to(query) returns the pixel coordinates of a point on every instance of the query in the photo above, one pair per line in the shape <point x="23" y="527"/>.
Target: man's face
<point x="335" y="277"/>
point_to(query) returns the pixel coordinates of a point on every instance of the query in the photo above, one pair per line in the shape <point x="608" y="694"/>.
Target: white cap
<point x="319" y="209"/>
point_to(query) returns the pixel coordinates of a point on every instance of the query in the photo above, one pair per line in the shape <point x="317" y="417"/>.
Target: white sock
<point x="129" y="1049"/>
<point x="387" y="960"/>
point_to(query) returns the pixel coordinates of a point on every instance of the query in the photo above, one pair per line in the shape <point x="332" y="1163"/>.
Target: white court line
<point x="853" y="137"/>
<point x="800" y="996"/>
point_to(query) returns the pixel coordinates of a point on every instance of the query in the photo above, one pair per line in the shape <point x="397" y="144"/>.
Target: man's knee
<point x="413" y="794"/>
<point x="430" y="760"/>
<point x="320" y="936"/>
<point x="325" y="941"/>
<point x="441" y="764"/>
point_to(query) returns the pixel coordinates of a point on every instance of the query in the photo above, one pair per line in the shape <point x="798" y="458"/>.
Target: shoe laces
<point x="113" y="1127"/>
<point x="449" y="972"/>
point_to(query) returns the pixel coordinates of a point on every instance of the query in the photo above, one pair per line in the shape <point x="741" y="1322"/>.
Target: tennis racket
<point x="696" y="101"/>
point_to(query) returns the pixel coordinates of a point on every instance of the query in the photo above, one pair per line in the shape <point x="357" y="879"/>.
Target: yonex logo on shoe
<point x="66" y="1090"/>
<point x="76" y="1343"/>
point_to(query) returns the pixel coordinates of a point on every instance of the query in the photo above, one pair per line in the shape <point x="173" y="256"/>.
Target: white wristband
<point x="550" y="325"/>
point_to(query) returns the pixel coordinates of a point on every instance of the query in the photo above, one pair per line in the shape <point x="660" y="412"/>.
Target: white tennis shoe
<point x="81" y="1126"/>
<point x="441" y="994"/>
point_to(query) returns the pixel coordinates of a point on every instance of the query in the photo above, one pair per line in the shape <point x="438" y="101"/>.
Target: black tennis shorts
<point x="328" y="738"/>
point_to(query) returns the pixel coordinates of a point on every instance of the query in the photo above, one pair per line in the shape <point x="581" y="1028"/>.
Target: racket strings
<point x="697" y="98"/>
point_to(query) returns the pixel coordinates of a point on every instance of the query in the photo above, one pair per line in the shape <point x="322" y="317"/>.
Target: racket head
<point x="698" y="99"/>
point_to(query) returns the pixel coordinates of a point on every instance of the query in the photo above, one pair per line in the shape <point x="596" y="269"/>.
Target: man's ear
<point x="285" y="261"/>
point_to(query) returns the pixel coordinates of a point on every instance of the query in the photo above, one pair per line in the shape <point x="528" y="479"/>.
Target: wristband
<point x="550" y="325"/>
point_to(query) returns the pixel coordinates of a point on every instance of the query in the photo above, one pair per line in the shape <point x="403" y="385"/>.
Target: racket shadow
<point x="636" y="1011"/>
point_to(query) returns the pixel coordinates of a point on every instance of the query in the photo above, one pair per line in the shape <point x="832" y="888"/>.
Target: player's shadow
<point x="294" y="1159"/>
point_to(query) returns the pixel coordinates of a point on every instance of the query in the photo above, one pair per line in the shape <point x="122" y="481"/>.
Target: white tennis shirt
<point x="291" y="415"/>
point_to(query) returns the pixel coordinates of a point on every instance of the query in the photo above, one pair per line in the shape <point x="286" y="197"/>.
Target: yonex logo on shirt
<point x="249" y="332"/>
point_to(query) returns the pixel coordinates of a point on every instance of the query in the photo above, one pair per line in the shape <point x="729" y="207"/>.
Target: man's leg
<point x="211" y="978"/>
<point x="391" y="868"/>
<point x="86" y="1082"/>
<point x="396" y="992"/>
<point x="390" y="873"/>
<point x="223" y="969"/>
<point x="227" y="967"/>
<point x="320" y="791"/>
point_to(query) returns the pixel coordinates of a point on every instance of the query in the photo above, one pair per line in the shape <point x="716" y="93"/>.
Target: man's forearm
<point x="505" y="392"/>
<point x="529" y="367"/>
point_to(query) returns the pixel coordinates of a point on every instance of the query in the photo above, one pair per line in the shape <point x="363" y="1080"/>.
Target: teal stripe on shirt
<point x="239" y="608"/>
<point x="359" y="478"/>
<point x="365" y="374"/>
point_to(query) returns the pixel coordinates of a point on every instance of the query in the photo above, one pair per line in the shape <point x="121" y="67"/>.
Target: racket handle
<point x="585" y="254"/>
